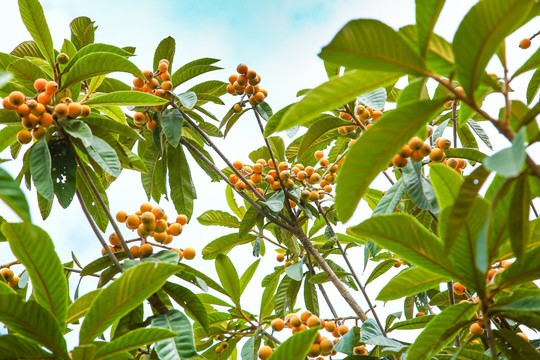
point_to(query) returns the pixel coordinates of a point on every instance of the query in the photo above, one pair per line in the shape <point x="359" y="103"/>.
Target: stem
<point x="267" y="239"/>
<point x="97" y="232"/>
<point x="79" y="271"/>
<point x="388" y="177"/>
<point x="349" y="265"/>
<point x="285" y="192"/>
<point x="9" y="264"/>
<point x="454" y="121"/>
<point x="308" y="246"/>
<point x="491" y="339"/>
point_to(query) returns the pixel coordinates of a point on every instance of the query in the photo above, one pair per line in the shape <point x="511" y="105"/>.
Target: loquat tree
<point x="461" y="223"/>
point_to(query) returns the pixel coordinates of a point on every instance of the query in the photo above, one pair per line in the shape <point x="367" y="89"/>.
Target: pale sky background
<point x="279" y="39"/>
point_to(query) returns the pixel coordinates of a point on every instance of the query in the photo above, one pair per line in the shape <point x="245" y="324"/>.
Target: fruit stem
<point x="285" y="192"/>
<point x="349" y="265"/>
<point x="257" y="207"/>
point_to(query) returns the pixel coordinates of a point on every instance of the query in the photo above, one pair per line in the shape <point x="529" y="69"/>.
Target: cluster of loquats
<point x="291" y="259"/>
<point x="364" y="113"/>
<point x="10" y="278"/>
<point x="306" y="177"/>
<point x="322" y="346"/>
<point x="157" y="83"/>
<point x="246" y="83"/>
<point x="38" y="113"/>
<point x="151" y="221"/>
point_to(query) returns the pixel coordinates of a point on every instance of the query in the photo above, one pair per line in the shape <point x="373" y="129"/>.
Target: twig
<point x="321" y="289"/>
<point x="9" y="264"/>
<point x="349" y="265"/>
<point x="79" y="271"/>
<point x="97" y="232"/>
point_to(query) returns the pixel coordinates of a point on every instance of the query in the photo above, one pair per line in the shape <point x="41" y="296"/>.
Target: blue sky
<point x="280" y="39"/>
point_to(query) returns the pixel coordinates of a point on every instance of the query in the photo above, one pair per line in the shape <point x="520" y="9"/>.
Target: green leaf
<point x="374" y="150"/>
<point x="410" y="281"/>
<point x="480" y="132"/>
<point x="188" y="99"/>
<point x="9" y="117"/>
<point x="248" y="222"/>
<point x="346" y="344"/>
<point x="40" y="168"/>
<point x="32" y="321"/>
<point x="171" y="123"/>
<point x="404" y="235"/>
<point x="295" y="271"/>
<point x="513" y="346"/>
<point x="82" y="31"/>
<point x="123" y="295"/>
<point x="64" y="172"/>
<point x="440" y="331"/>
<point x="310" y="296"/>
<point x="99" y="63"/>
<point x="180" y="181"/>
<point x="228" y="277"/>
<point x="80" y="306"/>
<point x="296" y="347"/>
<point x="127" y="98"/>
<point x="490" y="22"/>
<point x="248" y="275"/>
<point x="229" y="194"/>
<point x="165" y="50"/>
<point x="105" y="156"/>
<point x="533" y="87"/>
<point x="389" y="201"/>
<point x="446" y="183"/>
<point x="381" y="269"/>
<point x="427" y="13"/>
<point x="375" y="99"/>
<point x="133" y="340"/>
<point x="13" y="346"/>
<point x="35" y="250"/>
<point x="94" y="48"/>
<point x="190" y="71"/>
<point x="415" y="323"/>
<point x="317" y="129"/>
<point x="220" y="218"/>
<point x="201" y="276"/>
<point x="412" y="179"/>
<point x="180" y="347"/>
<point x="189" y="301"/>
<point x="34" y="20"/>
<point x="465" y="153"/>
<point x="26" y="72"/>
<point x="532" y="62"/>
<point x="508" y="162"/>
<point x="522" y="270"/>
<point x="372" y="45"/>
<point x="333" y="93"/>
<point x="13" y="196"/>
<point x="78" y="129"/>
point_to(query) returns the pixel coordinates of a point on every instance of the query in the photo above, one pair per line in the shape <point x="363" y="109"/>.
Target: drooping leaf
<point x="40" y="168"/>
<point x="427" y="13"/>
<point x="180" y="181"/>
<point x="224" y="244"/>
<point x="133" y="340"/>
<point x="17" y="346"/>
<point x="374" y="150"/>
<point x="171" y="123"/>
<point x="390" y="199"/>
<point x="296" y="347"/>
<point x="180" y="347"/>
<point x="82" y="31"/>
<point x="105" y="156"/>
<point x="80" y="306"/>
<point x="229" y="277"/>
<point x="189" y="301"/>
<point x="508" y="162"/>
<point x="26" y="72"/>
<point x="317" y="129"/>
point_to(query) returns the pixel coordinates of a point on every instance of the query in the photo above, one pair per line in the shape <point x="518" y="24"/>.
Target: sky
<point x="281" y="40"/>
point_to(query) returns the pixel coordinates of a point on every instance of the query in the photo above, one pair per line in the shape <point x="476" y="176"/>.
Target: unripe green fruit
<point x="62" y="58"/>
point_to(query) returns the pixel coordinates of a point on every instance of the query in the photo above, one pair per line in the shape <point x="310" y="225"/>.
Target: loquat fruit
<point x="525" y="43"/>
<point x="189" y="253"/>
<point x="277" y="324"/>
<point x="146" y="250"/>
<point x="416" y="143"/>
<point x="265" y="351"/>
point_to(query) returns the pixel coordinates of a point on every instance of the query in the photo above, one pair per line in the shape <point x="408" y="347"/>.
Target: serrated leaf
<point x="218" y="217"/>
<point x="123" y="295"/>
<point x="373" y="151"/>
<point x="17" y="346"/>
<point x="224" y="244"/>
<point x="26" y="72"/>
<point x="78" y="129"/>
<point x="82" y="31"/>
